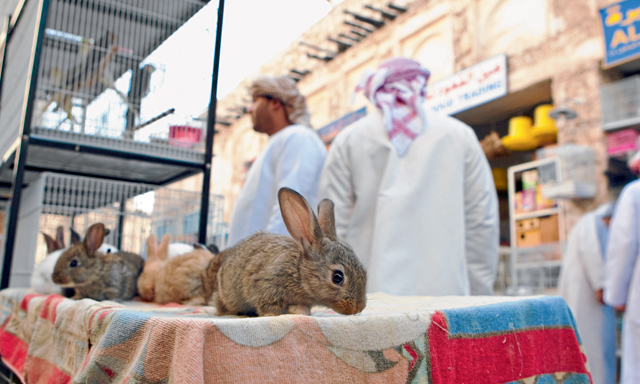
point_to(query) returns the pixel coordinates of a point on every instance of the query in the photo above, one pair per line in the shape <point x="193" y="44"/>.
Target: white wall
<point x="24" y="255"/>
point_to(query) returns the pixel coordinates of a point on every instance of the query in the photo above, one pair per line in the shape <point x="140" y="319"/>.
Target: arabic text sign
<point x="621" y="28"/>
<point x="470" y="87"/>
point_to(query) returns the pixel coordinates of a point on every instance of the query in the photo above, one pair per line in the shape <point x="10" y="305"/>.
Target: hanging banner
<point x="621" y="30"/>
<point x="478" y="84"/>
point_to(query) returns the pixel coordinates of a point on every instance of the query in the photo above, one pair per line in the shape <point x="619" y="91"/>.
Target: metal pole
<point x="211" y="121"/>
<point x="122" y="212"/>
<point x="20" y="161"/>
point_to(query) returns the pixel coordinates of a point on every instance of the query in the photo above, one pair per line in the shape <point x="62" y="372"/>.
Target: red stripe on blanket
<point x="13" y="350"/>
<point x="41" y="371"/>
<point x="507" y="357"/>
<point x="48" y="309"/>
<point x="413" y="354"/>
<point x="24" y="304"/>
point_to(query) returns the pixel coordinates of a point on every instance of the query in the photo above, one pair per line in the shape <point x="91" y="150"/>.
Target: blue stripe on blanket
<point x="124" y="324"/>
<point x="541" y="312"/>
<point x="576" y="378"/>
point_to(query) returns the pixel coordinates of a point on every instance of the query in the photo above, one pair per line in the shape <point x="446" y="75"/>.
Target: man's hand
<point x="599" y="296"/>
<point x="620" y="308"/>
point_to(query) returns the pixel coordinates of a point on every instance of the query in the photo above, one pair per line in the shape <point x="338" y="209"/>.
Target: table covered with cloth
<point x="51" y="339"/>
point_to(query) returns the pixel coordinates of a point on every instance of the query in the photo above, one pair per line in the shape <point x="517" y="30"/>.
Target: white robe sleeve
<point x="298" y="163"/>
<point x="622" y="249"/>
<point x="590" y="256"/>
<point x="570" y="262"/>
<point x="336" y="184"/>
<point x="481" y="219"/>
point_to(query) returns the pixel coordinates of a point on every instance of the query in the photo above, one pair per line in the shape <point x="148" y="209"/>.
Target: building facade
<point x="554" y="51"/>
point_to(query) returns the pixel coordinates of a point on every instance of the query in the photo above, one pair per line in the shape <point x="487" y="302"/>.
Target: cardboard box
<point x="549" y="229"/>
<point x="537" y="231"/>
<point x="527" y="224"/>
<point x="528" y="238"/>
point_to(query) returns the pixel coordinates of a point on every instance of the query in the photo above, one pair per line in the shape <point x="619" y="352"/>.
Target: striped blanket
<point x="50" y="339"/>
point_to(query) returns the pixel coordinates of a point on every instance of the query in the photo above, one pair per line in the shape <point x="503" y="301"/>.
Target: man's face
<point x="261" y="113"/>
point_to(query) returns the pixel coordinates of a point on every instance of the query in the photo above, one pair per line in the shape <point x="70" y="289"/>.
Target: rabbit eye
<point x="74" y="263"/>
<point x="338" y="277"/>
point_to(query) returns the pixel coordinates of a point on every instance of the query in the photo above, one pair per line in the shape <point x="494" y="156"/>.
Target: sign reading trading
<point x="621" y="27"/>
<point x="470" y="87"/>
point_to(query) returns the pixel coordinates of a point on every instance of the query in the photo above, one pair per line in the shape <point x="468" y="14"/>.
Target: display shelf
<point x="539" y="264"/>
<point x="531" y="268"/>
<point x="548" y="247"/>
<point x="538" y="213"/>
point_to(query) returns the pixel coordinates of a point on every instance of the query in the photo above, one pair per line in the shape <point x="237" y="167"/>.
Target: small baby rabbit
<point x="41" y="277"/>
<point x="181" y="279"/>
<point x="157" y="256"/>
<point x="167" y="279"/>
<point x="273" y="274"/>
<point x="96" y="275"/>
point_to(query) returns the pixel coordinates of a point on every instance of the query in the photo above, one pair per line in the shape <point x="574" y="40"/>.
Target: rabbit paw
<point x="270" y="311"/>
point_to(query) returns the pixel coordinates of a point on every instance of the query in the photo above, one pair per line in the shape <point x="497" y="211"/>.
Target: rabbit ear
<point x="75" y="237"/>
<point x="327" y="219"/>
<point x="60" y="237"/>
<point x="94" y="237"/>
<point x="51" y="244"/>
<point x="163" y="249"/>
<point x="152" y="247"/>
<point x="298" y="217"/>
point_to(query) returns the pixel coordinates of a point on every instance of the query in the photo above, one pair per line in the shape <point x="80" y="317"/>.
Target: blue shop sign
<point x="621" y="27"/>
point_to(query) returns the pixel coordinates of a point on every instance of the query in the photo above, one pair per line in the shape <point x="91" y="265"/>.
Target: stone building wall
<point x="556" y="42"/>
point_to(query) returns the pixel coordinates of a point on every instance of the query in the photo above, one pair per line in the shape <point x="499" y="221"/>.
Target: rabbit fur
<point x="271" y="274"/>
<point x="96" y="275"/>
<point x="177" y="279"/>
<point x="177" y="249"/>
<point x="41" y="277"/>
<point x="181" y="279"/>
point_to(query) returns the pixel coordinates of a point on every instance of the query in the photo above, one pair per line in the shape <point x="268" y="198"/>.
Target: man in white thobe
<point x="413" y="192"/>
<point x="581" y="285"/>
<point x="622" y="277"/>
<point x="293" y="157"/>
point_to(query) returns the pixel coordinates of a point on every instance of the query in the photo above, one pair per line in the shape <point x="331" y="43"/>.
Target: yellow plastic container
<point x="544" y="130"/>
<point x="500" y="179"/>
<point x="519" y="137"/>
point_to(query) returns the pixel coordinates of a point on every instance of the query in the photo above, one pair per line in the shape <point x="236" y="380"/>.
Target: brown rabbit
<point x="181" y="279"/>
<point x="96" y="275"/>
<point x="271" y="274"/>
<point x="157" y="256"/>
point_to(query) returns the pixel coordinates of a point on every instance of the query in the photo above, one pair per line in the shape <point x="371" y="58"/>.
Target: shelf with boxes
<point x="536" y="250"/>
<point x="536" y="190"/>
<point x="537" y="231"/>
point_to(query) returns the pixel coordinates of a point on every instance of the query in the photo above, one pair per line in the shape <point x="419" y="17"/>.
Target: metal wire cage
<point x="620" y="101"/>
<point x="97" y="73"/>
<point x="131" y="211"/>
<point x="530" y="271"/>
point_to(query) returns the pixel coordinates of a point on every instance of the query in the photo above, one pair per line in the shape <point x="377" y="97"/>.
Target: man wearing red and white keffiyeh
<point x="398" y="88"/>
<point x="413" y="192"/>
